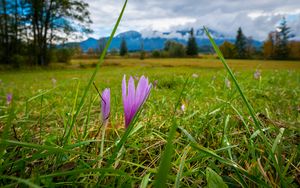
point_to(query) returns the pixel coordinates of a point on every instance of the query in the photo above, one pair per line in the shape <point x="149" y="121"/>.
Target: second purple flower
<point x="9" y="98"/>
<point x="105" y="104"/>
<point x="134" y="98"/>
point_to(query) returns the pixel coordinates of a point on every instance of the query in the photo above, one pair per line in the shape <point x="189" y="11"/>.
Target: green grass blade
<point x="145" y="181"/>
<point x="87" y="120"/>
<point x="79" y="144"/>
<point x="220" y="55"/>
<point x="187" y="134"/>
<point x="86" y="171"/>
<point x="258" y="132"/>
<point x="165" y="163"/>
<point x="226" y="143"/>
<point x="290" y="162"/>
<point x="225" y="139"/>
<point x="20" y="180"/>
<point x="277" y="140"/>
<point x="212" y="154"/>
<point x="120" y="144"/>
<point x="79" y="107"/>
<point x="257" y="123"/>
<point x="214" y="180"/>
<point x="181" y="166"/>
<point x="123" y="139"/>
<point x="5" y="131"/>
<point x="44" y="147"/>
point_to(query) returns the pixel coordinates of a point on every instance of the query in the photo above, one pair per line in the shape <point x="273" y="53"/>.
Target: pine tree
<point x="123" y="48"/>
<point x="281" y="46"/>
<point x="192" y="48"/>
<point x="241" y="44"/>
<point x="268" y="47"/>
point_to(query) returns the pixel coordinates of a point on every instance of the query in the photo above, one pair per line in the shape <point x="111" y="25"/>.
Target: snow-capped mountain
<point x="129" y="34"/>
<point x="155" y="40"/>
<point x="184" y="34"/>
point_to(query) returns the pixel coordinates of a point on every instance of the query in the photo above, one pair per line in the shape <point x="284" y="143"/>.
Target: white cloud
<point x="256" y="17"/>
<point x="149" y="33"/>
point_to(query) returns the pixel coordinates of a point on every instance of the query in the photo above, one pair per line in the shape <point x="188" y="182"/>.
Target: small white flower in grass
<point x="227" y="83"/>
<point x="257" y="75"/>
<point x="213" y="78"/>
<point x="195" y="75"/>
<point x="183" y="107"/>
<point x="53" y="80"/>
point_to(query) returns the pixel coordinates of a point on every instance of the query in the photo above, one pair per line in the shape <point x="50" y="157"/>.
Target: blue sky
<point x="256" y="17"/>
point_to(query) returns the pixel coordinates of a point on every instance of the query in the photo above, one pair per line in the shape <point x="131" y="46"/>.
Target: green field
<point x="215" y="131"/>
<point x="205" y="62"/>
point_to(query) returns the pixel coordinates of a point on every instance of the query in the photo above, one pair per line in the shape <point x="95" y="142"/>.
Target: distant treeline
<point x="171" y="48"/>
<point x="29" y="29"/>
<point x="276" y="46"/>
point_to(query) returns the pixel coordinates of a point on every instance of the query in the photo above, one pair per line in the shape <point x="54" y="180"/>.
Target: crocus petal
<point x="140" y="91"/>
<point x="105" y="104"/>
<point x="134" y="98"/>
<point x="131" y="100"/>
<point x="144" y="91"/>
<point x="131" y="91"/>
<point x="124" y="98"/>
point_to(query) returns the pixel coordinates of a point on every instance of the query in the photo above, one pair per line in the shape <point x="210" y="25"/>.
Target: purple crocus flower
<point x="257" y="75"/>
<point x="105" y="104"/>
<point x="9" y="97"/>
<point x="134" y="98"/>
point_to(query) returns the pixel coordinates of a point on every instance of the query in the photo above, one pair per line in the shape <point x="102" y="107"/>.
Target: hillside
<point x="154" y="40"/>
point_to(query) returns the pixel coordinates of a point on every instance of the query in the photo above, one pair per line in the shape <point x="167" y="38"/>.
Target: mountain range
<point x="155" y="40"/>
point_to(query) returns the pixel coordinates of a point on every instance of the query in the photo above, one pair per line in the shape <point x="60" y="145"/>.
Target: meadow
<point x="216" y="143"/>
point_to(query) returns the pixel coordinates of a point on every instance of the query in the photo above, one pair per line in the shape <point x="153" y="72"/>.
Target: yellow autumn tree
<point x="228" y="50"/>
<point x="294" y="47"/>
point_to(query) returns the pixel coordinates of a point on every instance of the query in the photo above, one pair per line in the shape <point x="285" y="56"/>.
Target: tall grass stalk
<point x="79" y="107"/>
<point x="165" y="163"/>
<point x="257" y="122"/>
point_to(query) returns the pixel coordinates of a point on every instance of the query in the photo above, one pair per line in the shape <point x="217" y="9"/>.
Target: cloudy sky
<point x="256" y="17"/>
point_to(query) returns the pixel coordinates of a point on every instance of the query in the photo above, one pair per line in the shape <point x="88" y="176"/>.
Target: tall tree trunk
<point x="37" y="17"/>
<point x="46" y="25"/>
<point x="16" y="43"/>
<point x="5" y="34"/>
<point x="5" y="22"/>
